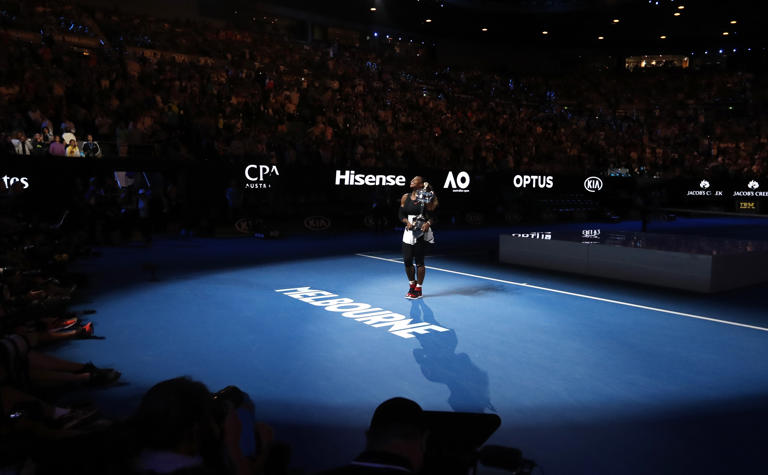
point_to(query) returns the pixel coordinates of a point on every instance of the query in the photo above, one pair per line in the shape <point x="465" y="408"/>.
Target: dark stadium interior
<point x="183" y="183"/>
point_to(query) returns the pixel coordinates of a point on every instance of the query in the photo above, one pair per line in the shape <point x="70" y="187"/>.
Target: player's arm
<point x="401" y="212"/>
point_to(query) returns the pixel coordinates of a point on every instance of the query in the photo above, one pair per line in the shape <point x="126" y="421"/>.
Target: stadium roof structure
<point x="610" y="23"/>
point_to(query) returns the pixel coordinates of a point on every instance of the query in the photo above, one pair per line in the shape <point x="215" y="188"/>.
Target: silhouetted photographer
<point x="403" y="438"/>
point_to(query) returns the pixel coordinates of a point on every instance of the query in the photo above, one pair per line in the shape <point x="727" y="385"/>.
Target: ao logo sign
<point x="257" y="173"/>
<point x="9" y="181"/>
<point x="458" y="183"/>
<point x="593" y="184"/>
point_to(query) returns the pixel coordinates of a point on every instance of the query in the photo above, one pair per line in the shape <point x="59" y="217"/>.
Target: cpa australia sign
<point x="258" y="176"/>
<point x="593" y="184"/>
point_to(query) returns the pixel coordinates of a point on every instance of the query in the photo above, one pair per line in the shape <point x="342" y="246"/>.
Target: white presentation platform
<point x="682" y="262"/>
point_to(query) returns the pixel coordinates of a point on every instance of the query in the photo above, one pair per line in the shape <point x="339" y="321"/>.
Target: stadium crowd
<point x="81" y="83"/>
<point x="184" y="89"/>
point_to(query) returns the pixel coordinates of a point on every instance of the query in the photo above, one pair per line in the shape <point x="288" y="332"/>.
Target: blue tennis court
<point x="588" y="376"/>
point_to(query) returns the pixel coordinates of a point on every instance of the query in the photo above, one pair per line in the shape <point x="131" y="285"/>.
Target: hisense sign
<point x="350" y="178"/>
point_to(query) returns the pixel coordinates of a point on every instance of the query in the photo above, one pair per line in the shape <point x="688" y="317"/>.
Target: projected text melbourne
<point x="362" y="312"/>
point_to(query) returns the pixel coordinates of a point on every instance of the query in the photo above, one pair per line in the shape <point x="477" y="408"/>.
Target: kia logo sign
<point x="593" y="184"/>
<point x="243" y="225"/>
<point x="248" y="225"/>
<point x="317" y="223"/>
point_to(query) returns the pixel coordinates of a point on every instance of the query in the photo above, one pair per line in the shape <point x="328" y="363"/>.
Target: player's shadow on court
<point x="472" y="290"/>
<point x="440" y="363"/>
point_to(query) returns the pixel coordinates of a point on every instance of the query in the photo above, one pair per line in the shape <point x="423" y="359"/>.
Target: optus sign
<point x="533" y="181"/>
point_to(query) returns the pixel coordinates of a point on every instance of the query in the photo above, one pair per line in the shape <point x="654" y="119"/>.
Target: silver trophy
<point x="423" y="197"/>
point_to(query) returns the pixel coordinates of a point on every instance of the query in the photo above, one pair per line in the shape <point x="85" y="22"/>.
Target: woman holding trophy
<point x="417" y="213"/>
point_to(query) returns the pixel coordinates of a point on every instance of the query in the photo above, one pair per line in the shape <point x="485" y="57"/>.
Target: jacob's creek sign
<point x="753" y="186"/>
<point x="350" y="178"/>
<point x="395" y="323"/>
<point x="705" y="189"/>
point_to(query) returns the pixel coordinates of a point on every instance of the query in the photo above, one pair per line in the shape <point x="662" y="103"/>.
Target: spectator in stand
<point x="6" y="146"/>
<point x="375" y="106"/>
<point x="395" y="444"/>
<point x="91" y="149"/>
<point x="57" y="148"/>
<point x="67" y="136"/>
<point x="72" y="149"/>
<point x="39" y="147"/>
<point x="67" y="126"/>
<point x="47" y="135"/>
<point x="22" y="145"/>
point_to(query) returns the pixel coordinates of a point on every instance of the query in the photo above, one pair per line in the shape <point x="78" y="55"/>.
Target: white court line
<point x="584" y="296"/>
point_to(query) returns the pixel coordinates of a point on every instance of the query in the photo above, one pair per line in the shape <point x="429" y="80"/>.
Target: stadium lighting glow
<point x="681" y="7"/>
<point x="616" y="20"/>
<point x="733" y="22"/>
<point x="676" y="14"/>
<point x="725" y="33"/>
<point x="428" y="20"/>
<point x="373" y="9"/>
<point x="663" y="37"/>
<point x="601" y="37"/>
<point x="544" y="32"/>
<point x="484" y="29"/>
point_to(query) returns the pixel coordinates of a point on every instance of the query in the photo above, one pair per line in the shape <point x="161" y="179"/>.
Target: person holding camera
<point x="417" y="213"/>
<point x="181" y="428"/>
